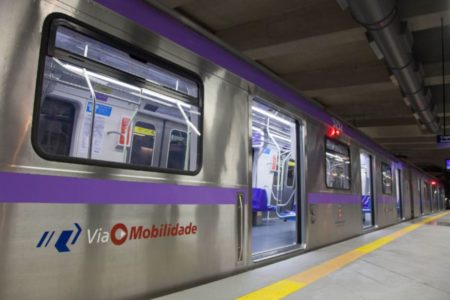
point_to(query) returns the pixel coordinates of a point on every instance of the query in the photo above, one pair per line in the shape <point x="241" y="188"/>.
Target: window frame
<point x="383" y="188"/>
<point x="48" y="48"/>
<point x="349" y="165"/>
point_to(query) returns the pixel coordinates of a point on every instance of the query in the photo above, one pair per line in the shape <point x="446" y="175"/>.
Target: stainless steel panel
<point x="136" y="269"/>
<point x="407" y="197"/>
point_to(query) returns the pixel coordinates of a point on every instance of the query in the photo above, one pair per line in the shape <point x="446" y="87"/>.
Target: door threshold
<point x="266" y="255"/>
<point x="369" y="228"/>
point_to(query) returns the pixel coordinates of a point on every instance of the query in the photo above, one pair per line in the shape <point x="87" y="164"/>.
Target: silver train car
<point x="139" y="157"/>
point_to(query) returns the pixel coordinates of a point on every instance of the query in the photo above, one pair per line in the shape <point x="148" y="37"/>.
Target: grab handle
<point x="240" y="226"/>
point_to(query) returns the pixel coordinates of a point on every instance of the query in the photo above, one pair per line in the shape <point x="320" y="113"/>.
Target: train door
<point x="419" y="191"/>
<point x="367" y="197"/>
<point x="175" y="147"/>
<point x="399" y="194"/>
<point x="433" y="197"/>
<point x="429" y="197"/>
<point x="433" y="190"/>
<point x="439" y="199"/>
<point x="275" y="181"/>
<point x="426" y="197"/>
<point x="411" y="195"/>
<point x="146" y="140"/>
<point x="160" y="143"/>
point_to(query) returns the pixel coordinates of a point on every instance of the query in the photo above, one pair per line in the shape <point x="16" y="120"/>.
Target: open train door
<point x="276" y="158"/>
<point x="367" y="195"/>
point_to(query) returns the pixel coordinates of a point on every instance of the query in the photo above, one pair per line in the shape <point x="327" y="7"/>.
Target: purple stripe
<point x="18" y="187"/>
<point x="322" y="198"/>
<point x="160" y="23"/>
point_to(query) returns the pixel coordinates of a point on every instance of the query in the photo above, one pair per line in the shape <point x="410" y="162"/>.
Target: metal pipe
<point x="94" y="107"/>
<point x="394" y="41"/>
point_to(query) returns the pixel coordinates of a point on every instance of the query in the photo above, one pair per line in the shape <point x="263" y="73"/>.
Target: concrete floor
<point x="414" y="266"/>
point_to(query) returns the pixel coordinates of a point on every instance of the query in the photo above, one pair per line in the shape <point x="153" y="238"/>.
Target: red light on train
<point x="334" y="132"/>
<point x="433" y="182"/>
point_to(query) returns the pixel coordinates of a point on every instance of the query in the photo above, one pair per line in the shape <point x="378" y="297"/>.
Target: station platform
<point x="409" y="260"/>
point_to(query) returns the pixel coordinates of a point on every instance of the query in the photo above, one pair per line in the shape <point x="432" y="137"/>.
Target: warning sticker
<point x="144" y="131"/>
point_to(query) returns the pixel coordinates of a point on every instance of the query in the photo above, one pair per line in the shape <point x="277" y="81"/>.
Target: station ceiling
<point x="323" y="52"/>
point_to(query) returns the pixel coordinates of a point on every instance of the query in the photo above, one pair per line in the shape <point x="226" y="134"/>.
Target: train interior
<point x="274" y="180"/>
<point x="367" y="197"/>
<point x="144" y="115"/>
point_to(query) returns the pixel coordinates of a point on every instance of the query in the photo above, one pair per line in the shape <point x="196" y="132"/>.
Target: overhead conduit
<point x="392" y="41"/>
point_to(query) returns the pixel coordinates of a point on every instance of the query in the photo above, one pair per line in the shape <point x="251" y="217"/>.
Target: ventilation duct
<point x="393" y="41"/>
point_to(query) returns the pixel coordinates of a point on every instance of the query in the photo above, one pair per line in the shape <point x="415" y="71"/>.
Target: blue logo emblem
<point x="63" y="239"/>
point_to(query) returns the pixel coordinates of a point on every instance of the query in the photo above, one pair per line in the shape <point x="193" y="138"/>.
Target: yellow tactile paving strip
<point x="287" y="286"/>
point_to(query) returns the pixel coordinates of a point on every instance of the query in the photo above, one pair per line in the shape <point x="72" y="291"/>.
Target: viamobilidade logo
<point x="118" y="234"/>
<point x="62" y="240"/>
<point x="121" y="233"/>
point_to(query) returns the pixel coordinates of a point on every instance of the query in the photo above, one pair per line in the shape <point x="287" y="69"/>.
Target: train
<point x="139" y="157"/>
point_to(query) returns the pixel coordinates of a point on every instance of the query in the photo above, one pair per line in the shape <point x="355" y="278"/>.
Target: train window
<point x="290" y="173"/>
<point x="337" y="157"/>
<point x="143" y="142"/>
<point x="386" y="180"/>
<point x="177" y="150"/>
<point x="56" y="121"/>
<point x="101" y="103"/>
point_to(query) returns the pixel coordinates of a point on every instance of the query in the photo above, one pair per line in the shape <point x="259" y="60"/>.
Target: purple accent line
<point x="325" y="198"/>
<point x="17" y="187"/>
<point x="160" y="23"/>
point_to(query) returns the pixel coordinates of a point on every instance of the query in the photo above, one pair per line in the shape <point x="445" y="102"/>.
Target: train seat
<point x="259" y="200"/>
